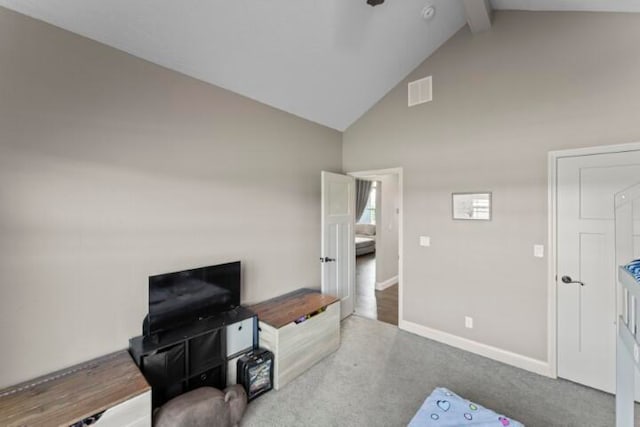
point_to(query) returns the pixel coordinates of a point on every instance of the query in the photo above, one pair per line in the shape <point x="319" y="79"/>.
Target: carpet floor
<point x="380" y="376"/>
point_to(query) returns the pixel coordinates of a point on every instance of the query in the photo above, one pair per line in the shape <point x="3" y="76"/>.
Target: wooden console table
<point x="300" y="328"/>
<point x="111" y="384"/>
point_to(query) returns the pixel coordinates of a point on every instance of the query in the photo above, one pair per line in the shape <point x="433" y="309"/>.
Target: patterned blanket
<point x="444" y="408"/>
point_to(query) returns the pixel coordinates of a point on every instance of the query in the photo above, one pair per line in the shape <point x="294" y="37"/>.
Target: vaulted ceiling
<point x="328" y="61"/>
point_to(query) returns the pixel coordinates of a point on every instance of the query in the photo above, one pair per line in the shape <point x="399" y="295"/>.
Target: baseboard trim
<point x="381" y="286"/>
<point x="519" y="361"/>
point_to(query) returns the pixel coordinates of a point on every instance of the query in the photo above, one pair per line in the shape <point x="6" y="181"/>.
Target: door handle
<point x="568" y="279"/>
<point x="327" y="259"/>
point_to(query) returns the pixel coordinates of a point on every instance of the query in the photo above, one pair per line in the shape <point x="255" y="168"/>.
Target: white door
<point x="338" y="241"/>
<point x="586" y="281"/>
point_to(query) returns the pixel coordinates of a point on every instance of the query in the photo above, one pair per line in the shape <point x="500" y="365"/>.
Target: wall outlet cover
<point x="468" y="322"/>
<point x="425" y="241"/>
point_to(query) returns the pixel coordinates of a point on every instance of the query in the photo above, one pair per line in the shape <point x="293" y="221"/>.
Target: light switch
<point x="425" y="241"/>
<point x="538" y="251"/>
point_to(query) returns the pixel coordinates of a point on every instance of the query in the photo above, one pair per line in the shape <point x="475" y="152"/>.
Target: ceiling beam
<point x="478" y="14"/>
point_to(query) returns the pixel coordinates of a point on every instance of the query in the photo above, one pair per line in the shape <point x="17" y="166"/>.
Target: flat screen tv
<point x="187" y="296"/>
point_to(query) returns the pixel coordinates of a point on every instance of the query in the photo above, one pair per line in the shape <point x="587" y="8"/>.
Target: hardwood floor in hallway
<point x="380" y="305"/>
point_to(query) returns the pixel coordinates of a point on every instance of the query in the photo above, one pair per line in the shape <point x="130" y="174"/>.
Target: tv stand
<point x="194" y="355"/>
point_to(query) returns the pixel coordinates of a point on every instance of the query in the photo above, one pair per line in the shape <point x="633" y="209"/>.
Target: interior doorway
<point x="583" y="305"/>
<point x="377" y="238"/>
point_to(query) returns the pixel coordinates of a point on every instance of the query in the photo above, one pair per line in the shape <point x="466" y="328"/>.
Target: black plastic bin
<point x="255" y="372"/>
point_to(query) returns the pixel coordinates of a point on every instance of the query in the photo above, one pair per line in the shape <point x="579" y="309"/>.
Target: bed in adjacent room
<point x="365" y="239"/>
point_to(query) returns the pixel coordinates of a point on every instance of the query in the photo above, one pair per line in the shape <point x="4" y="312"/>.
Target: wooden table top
<point x="282" y="310"/>
<point x="73" y="394"/>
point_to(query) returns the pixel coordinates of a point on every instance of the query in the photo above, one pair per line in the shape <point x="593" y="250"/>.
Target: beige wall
<point x="113" y="169"/>
<point x="502" y="99"/>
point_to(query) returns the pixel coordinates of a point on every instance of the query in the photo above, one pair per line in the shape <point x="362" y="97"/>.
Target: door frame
<point x="552" y="266"/>
<point x="393" y="171"/>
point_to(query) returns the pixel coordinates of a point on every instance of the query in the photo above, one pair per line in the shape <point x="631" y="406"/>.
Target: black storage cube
<point x="212" y="378"/>
<point x="255" y="372"/>
<point x="165" y="367"/>
<point x="161" y="395"/>
<point x="189" y="356"/>
<point x="205" y="351"/>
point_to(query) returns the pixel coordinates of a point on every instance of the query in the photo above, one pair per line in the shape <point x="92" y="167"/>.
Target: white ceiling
<point x="328" y="61"/>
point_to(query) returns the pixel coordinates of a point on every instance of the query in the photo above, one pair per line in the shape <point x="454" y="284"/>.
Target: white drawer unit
<point x="240" y="336"/>
<point x="300" y="328"/>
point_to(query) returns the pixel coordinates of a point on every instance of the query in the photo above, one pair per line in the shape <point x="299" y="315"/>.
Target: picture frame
<point x="474" y="206"/>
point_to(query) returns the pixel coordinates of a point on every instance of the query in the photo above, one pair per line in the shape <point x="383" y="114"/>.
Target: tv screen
<point x="186" y="296"/>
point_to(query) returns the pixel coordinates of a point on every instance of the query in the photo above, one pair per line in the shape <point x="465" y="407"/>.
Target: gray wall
<point x="113" y="169"/>
<point x="502" y="99"/>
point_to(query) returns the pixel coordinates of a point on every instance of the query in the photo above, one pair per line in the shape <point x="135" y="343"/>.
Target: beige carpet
<point x="380" y="376"/>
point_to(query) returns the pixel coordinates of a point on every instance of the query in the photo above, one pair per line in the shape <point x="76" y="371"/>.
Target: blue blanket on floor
<point x="444" y="408"/>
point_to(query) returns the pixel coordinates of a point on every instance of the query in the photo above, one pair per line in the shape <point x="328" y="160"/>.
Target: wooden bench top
<point x="73" y="394"/>
<point x="282" y="310"/>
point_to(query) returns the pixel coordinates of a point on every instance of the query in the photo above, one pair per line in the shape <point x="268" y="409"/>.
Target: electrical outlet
<point x="425" y="241"/>
<point x="468" y="322"/>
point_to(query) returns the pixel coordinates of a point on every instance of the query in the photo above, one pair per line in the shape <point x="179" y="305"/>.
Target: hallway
<point x="380" y="305"/>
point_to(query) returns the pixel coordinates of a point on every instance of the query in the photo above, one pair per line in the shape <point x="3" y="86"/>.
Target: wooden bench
<point x="111" y="385"/>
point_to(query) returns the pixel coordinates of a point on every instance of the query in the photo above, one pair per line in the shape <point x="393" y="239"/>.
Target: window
<point x="369" y="214"/>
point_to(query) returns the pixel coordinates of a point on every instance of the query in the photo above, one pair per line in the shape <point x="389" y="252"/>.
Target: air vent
<point x="420" y="91"/>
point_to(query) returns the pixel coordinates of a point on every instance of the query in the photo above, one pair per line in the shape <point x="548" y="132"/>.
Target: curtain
<point x="363" y="188"/>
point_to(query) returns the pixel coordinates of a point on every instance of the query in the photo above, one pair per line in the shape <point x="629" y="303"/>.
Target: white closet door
<point x="586" y="253"/>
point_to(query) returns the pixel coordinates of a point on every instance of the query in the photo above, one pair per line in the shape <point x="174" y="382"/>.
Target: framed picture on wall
<point x="471" y="206"/>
